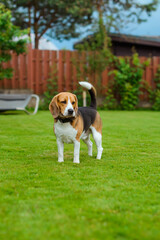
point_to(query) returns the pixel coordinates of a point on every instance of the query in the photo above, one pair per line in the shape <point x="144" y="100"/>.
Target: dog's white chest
<point x="65" y="132"/>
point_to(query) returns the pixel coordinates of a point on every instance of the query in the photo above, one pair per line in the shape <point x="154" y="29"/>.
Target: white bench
<point x="17" y="102"/>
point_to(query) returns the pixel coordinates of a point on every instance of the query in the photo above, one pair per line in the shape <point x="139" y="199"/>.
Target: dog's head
<point x="64" y="105"/>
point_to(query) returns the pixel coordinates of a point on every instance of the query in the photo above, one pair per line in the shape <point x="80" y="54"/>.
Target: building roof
<point x="141" y="40"/>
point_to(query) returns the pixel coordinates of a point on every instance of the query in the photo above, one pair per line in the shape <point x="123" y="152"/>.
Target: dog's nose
<point x="70" y="111"/>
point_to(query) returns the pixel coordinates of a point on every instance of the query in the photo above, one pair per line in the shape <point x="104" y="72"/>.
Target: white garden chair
<point x="17" y="102"/>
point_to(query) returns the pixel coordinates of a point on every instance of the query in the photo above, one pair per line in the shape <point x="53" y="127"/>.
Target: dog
<point x="72" y="123"/>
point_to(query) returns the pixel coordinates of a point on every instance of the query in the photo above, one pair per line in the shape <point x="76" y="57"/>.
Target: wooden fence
<point x="31" y="70"/>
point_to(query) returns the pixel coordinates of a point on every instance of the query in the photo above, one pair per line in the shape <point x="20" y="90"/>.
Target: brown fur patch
<point x="53" y="107"/>
<point x="78" y="125"/>
<point x="98" y="123"/>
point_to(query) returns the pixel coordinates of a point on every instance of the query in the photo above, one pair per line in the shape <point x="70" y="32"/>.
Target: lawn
<point x="117" y="197"/>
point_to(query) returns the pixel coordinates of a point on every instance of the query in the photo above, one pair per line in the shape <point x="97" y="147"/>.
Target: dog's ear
<point x="53" y="107"/>
<point x="76" y="104"/>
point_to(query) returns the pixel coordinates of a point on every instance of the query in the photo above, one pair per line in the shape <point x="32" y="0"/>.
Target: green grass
<point x="117" y="197"/>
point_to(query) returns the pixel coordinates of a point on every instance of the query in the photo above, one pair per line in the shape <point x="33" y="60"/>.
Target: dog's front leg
<point x="60" y="145"/>
<point x="76" y="151"/>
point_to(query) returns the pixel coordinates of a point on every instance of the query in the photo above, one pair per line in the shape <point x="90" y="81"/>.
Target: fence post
<point x="30" y="67"/>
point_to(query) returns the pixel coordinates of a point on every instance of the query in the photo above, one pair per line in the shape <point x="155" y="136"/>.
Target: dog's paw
<point x="99" y="154"/>
<point x="60" y="160"/>
<point x="75" y="161"/>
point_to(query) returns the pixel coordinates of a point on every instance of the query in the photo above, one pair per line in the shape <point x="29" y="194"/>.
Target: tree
<point x="63" y="18"/>
<point x="98" y="45"/>
<point x="118" y="13"/>
<point x="8" y="35"/>
<point x="60" y="17"/>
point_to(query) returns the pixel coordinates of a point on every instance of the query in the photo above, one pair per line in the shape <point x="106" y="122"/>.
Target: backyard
<point x="117" y="197"/>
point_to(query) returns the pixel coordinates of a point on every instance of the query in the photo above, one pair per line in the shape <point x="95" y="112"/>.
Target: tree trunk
<point x="36" y="41"/>
<point x="29" y="23"/>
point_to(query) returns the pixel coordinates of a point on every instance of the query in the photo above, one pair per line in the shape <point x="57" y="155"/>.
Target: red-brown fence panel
<point x="32" y="69"/>
<point x="74" y="57"/>
<point x="29" y="68"/>
<point x="60" y="73"/>
<point x="46" y="65"/>
<point x="68" y="67"/>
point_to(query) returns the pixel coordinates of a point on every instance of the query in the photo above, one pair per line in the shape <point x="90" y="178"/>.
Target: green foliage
<point x="52" y="89"/>
<point x="155" y="93"/>
<point x="98" y="56"/>
<point x="59" y="19"/>
<point x="62" y="19"/>
<point x="156" y="105"/>
<point x="126" y="82"/>
<point x="118" y="14"/>
<point x="110" y="101"/>
<point x="8" y="42"/>
<point x="129" y="97"/>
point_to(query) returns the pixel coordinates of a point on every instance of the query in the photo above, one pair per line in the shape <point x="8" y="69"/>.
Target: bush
<point x="110" y="102"/>
<point x="155" y="93"/>
<point x="8" y="35"/>
<point x="98" y="56"/>
<point x="126" y="82"/>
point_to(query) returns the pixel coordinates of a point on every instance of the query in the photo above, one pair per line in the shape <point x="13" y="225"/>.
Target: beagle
<point x="72" y="123"/>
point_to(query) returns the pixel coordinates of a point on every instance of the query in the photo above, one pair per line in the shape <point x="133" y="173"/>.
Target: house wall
<point x="126" y="49"/>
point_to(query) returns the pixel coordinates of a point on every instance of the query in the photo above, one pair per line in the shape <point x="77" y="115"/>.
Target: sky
<point x="149" y="28"/>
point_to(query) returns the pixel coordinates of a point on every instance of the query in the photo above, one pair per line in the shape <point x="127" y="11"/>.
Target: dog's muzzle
<point x="70" y="111"/>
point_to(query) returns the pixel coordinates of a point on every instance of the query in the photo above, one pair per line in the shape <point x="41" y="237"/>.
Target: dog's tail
<point x="92" y="92"/>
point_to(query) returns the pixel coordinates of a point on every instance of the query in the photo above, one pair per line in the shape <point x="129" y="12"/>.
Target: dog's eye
<point x="73" y="103"/>
<point x="63" y="101"/>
